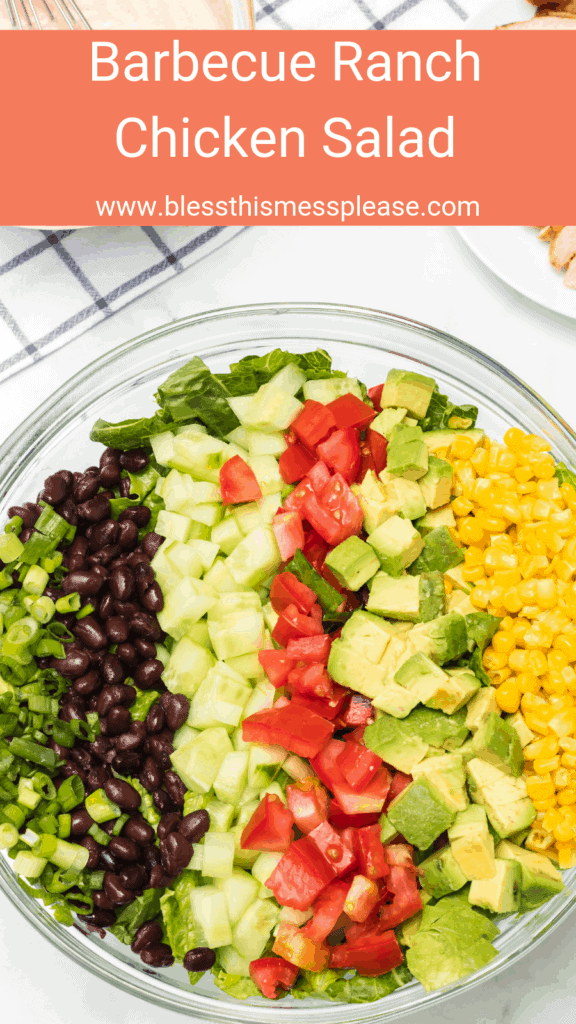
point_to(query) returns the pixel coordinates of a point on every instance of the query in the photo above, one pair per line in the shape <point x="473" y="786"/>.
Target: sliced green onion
<point x="86" y="610"/>
<point x="64" y="825"/>
<point x="119" y="824"/>
<point x="27" y="796"/>
<point x="96" y="879"/>
<point x="99" y="834"/>
<point x="100" y="807"/>
<point x="45" y="846"/>
<point x="70" y="856"/>
<point x="52" y="562"/>
<point x="49" y="647"/>
<point x="5" y="579"/>
<point x="49" y="823"/>
<point x="69" y="603"/>
<point x="43" y="705"/>
<point x="30" y="837"/>
<point x="14" y="525"/>
<point x="36" y="547"/>
<point x="28" y="865"/>
<point x="33" y="752"/>
<point x="43" y="610"/>
<point x="7" y="724"/>
<point x="10" y="547"/>
<point x="11" y="814"/>
<point x="35" y="580"/>
<point x="8" y="836"/>
<point x="71" y="792"/>
<point x="61" y="732"/>
<point x="43" y="784"/>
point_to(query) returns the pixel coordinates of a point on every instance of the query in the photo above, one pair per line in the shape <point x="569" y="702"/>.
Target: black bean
<point x="134" y="460"/>
<point x="57" y="487"/>
<point x="155" y="719"/>
<point x="121" y="583"/>
<point x="148" y="934"/>
<point x="82" y="757"/>
<point x="139" y="514"/>
<point x="200" y="959"/>
<point x="150" y="776"/>
<point x="105" y="556"/>
<point x="27" y="515"/>
<point x="137" y="557"/>
<point x="117" y="629"/>
<point x="118" y="721"/>
<point x="176" y="708"/>
<point x="110" y="455"/>
<point x="128" y="536"/>
<point x="158" y="878"/>
<point x="151" y="857"/>
<point x="145" y="625"/>
<point x="127" y="609"/>
<point x="97" y="777"/>
<point x="67" y="509"/>
<point x="125" y="487"/>
<point x="153" y="599"/>
<point x="168" y="823"/>
<point x="175" y="852"/>
<point x="148" y="673"/>
<point x="127" y="655"/>
<point x="132" y="739"/>
<point x="112" y="670"/>
<point x="158" y="955"/>
<point x="85" y="685"/>
<point x="100" y="918"/>
<point x="101" y="747"/>
<point x="175" y="787"/>
<point x="108" y="862"/>
<point x="94" y="850"/>
<point x="75" y="664"/>
<point x="90" y="633"/>
<point x="114" y="889"/>
<point x="151" y="542"/>
<point x="162" y="801"/>
<point x="139" y="830"/>
<point x="195" y="825"/>
<point x="127" y="762"/>
<point x="134" y="876"/>
<point x="143" y="574"/>
<point x="124" y="848"/>
<point x="83" y="581"/>
<point x="62" y="752"/>
<point x="145" y="648"/>
<point x="110" y="474"/>
<point x="111" y="697"/>
<point x="101" y="900"/>
<point x="107" y="532"/>
<point x="81" y="822"/>
<point x="95" y="509"/>
<point x="123" y="794"/>
<point x="86" y="487"/>
<point x="161" y="748"/>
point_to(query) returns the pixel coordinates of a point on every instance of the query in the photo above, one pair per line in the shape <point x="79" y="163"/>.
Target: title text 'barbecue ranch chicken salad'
<point x="288" y="682"/>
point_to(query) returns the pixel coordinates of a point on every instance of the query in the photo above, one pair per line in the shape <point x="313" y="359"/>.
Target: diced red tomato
<point x="358" y="764"/>
<point x="327" y="909"/>
<point x="359" y="712"/>
<point x="319" y="476"/>
<point x="316" y="614"/>
<point x="407" y="900"/>
<point x="375" y="396"/>
<point x="341" y="451"/>
<point x="329" y="708"/>
<point x="314" y="423"/>
<point x="399" y="783"/>
<point x="350" y="411"/>
<point x="311" y="680"/>
<point x="362" y="897"/>
<point x="372" y="955"/>
<point x="379" y="448"/>
<point x="289" y="534"/>
<point x="293" y="727"/>
<point x="291" y="625"/>
<point x="294" y="463"/>
<point x="308" y="802"/>
<point x="310" y="648"/>
<point x="270" y="973"/>
<point x="338" y="498"/>
<point x="301" y="875"/>
<point x="399" y="854"/>
<point x="315" y="548"/>
<point x="369" y="800"/>
<point x="370" y="852"/>
<point x="294" y="502"/>
<point x="277" y="665"/>
<point x="344" y="821"/>
<point x="270" y="827"/>
<point x="323" y="521"/>
<point x="336" y="848"/>
<point x="238" y="482"/>
<point x="286" y="589"/>
<point x="299" y="949"/>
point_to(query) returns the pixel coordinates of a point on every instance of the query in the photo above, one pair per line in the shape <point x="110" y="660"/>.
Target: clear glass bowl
<point x="366" y="343"/>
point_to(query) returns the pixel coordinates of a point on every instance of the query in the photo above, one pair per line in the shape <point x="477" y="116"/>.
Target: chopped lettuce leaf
<point x="128" y="433"/>
<point x="143" y="908"/>
<point x="316" y="365"/>
<point x="193" y="393"/>
<point x="333" y="985"/>
<point x="234" y="984"/>
<point x="565" y="475"/>
<point x="182" y="930"/>
<point x="481" y="627"/>
<point x="315" y="984"/>
<point x="444" y="415"/>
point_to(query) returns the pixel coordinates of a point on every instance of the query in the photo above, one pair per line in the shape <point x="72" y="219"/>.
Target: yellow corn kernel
<point x="536" y="723"/>
<point x="562" y="779"/>
<point x="479" y="460"/>
<point x="462" y="447"/>
<point x="513" y="439"/>
<point x="519" y="629"/>
<point x="549" y="490"/>
<point x="532" y="566"/>
<point x="539" y="840"/>
<point x="503" y="642"/>
<point x="527" y="591"/>
<point x="544" y="468"/>
<point x="546" y="594"/>
<point x="527" y="488"/>
<point x="553" y="683"/>
<point x="461" y="507"/>
<point x="564" y="833"/>
<point x="541" y="509"/>
<point x="494" y="660"/>
<point x="567" y="796"/>
<point x="544" y="805"/>
<point x="560" y="701"/>
<point x="499" y="675"/>
<point x="517" y="660"/>
<point x="555" y="619"/>
<point x="540" y="787"/>
<point x="565" y="856"/>
<point x="473" y="574"/>
<point x="528" y="682"/>
<point x="550" y="537"/>
<point x="480" y="597"/>
<point x="563" y="723"/>
<point x="507" y="578"/>
<point x="465" y="472"/>
<point x="474" y="556"/>
<point x="543" y="765"/>
<point x="511" y="601"/>
<point x="546" y="747"/>
<point x="508" y="696"/>
<point x="552" y="818"/>
<point x="523" y="474"/>
<point x="536" y="663"/>
<point x="557" y="660"/>
<point x="538" y="636"/>
<point x="496" y="559"/>
<point x="569" y="495"/>
<point x="531" y="444"/>
<point x="568" y="760"/>
<point x="567" y="645"/>
<point x="506" y="461"/>
<point x="470" y="531"/>
<point x="534" y="544"/>
<point x="568" y="743"/>
<point x="491" y="523"/>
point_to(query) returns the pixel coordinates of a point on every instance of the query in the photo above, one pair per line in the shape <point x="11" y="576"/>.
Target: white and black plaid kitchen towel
<point x="54" y="285"/>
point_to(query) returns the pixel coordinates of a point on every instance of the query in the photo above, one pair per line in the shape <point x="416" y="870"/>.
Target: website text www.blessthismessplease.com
<point x="241" y="207"/>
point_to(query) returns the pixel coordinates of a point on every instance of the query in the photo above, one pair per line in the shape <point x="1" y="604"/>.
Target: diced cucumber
<point x="255" y="557"/>
<point x="206" y="551"/>
<point x="184" y="605"/>
<point x="209" y="515"/>
<point x="239" y="743"/>
<point x="188" y="666"/>
<point x="163" y="448"/>
<point x="240" y="405"/>
<point x="248" y="517"/>
<point x="167" y="573"/>
<point x="230" y="782"/>
<point x="221" y="579"/>
<point x="194" y="492"/>
<point x="218" y="856"/>
<point x="260" y="443"/>
<point x="198" y="761"/>
<point x="264" y="764"/>
<point x="162" y="654"/>
<point x="240" y="890"/>
<point x="247" y="665"/>
<point x="262" y="696"/>
<point x="265" y="468"/>
<point x="289" y="379"/>
<point x="173" y="526"/>
<point x="246" y="812"/>
<point x="228" y="959"/>
<point x="226" y="534"/>
<point x="183" y="735"/>
<point x="182" y="557"/>
<point x="221" y="814"/>
<point x="189" y="429"/>
<point x="252" y="931"/>
<point x="209" y="907"/>
<point x="262" y="870"/>
<point x="197" y="857"/>
<point x="239" y="436"/>
<point x="236" y="624"/>
<point x="297" y="768"/>
<point x="242" y="858"/>
<point x="270" y="616"/>
<point x="220" y="699"/>
<point x="273" y="407"/>
<point x="269" y="506"/>
<point x="199" y="634"/>
<point x="325" y="391"/>
<point x="199" y="455"/>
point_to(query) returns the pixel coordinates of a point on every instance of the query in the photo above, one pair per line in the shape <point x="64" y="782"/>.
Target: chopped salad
<point x="254" y="717"/>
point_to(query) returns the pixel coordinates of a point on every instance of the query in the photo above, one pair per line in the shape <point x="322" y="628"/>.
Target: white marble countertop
<point x="423" y="273"/>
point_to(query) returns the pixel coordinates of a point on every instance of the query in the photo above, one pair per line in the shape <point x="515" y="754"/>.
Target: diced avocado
<point x="459" y="602"/>
<point x="436" y="484"/>
<point x="481" y="627"/>
<point x="447" y="773"/>
<point x="396" y="543"/>
<point x="436" y="728"/>
<point x="420" y="813"/>
<point x="481" y="706"/>
<point x="408" y="929"/>
<point x="388" y="738"/>
<point x="467" y="750"/>
<point x="396" y="654"/>
<point x="409" y="460"/>
<point x="497" y="742"/>
<point x="441" y="873"/>
<point x="387" y="831"/>
<point x="457" y="580"/>
<point x="386" y="421"/>
<point x="525" y="735"/>
<point x="372" y="497"/>
<point x="455" y="692"/>
<point x="409" y="390"/>
<point x="395" y="597"/>
<point x="443" y="639"/>
<point x="501" y="893"/>
<point x="432" y="596"/>
<point x="453" y="940"/>
<point x="368" y="634"/>
<point x="395" y="700"/>
<point x="504" y="797"/>
<point x="472" y="844"/>
<point x="540" y="880"/>
<point x="403" y="496"/>
<point x="421" y="676"/>
<point x="435" y="518"/>
<point x="439" y="551"/>
<point x="437" y="439"/>
<point x="353" y="563"/>
<point x="347" y="667"/>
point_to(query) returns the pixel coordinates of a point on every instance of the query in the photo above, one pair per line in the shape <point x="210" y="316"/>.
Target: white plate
<point x="501" y="12"/>
<point x="520" y="259"/>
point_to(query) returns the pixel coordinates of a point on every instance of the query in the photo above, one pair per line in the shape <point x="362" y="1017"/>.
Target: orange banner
<point x="287" y="128"/>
